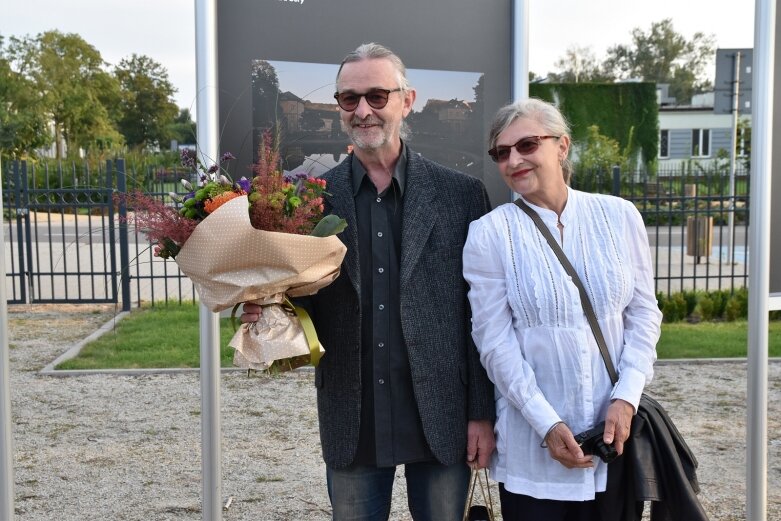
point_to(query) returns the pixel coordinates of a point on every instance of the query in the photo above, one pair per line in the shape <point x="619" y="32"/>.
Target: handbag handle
<point x="485" y="488"/>
<point x="588" y="309"/>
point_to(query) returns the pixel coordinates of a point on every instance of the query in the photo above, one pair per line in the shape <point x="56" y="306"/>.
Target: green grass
<point x="712" y="340"/>
<point x="166" y="336"/>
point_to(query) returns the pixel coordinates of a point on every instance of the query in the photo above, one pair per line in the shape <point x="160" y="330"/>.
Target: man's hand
<point x="564" y="449"/>
<point x="480" y="443"/>
<point x="251" y="312"/>
<point x="618" y="423"/>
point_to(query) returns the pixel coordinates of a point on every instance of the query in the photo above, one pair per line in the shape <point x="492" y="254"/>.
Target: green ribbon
<point x="309" y="332"/>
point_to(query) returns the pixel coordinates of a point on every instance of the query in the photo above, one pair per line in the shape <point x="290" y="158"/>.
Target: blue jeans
<point x="435" y="492"/>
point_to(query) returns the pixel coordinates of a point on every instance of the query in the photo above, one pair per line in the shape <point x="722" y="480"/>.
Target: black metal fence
<point x="66" y="240"/>
<point x="697" y="226"/>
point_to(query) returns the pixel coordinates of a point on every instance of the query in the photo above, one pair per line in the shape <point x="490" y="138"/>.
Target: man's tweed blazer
<point x="450" y="385"/>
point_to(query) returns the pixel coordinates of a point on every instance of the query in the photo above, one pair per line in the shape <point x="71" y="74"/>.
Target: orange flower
<point x="210" y="205"/>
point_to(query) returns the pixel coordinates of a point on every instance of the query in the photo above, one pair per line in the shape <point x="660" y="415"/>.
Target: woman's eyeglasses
<point x="525" y="146"/>
<point x="376" y="98"/>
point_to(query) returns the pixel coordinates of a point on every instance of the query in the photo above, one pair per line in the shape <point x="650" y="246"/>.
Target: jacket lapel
<point x="419" y="215"/>
<point x="342" y="204"/>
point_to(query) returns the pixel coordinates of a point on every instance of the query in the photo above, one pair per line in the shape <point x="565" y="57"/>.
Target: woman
<point x="530" y="328"/>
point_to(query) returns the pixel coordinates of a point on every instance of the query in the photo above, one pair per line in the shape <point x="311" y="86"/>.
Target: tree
<point x="22" y="122"/>
<point x="68" y="77"/>
<point x="600" y="153"/>
<point x="579" y="65"/>
<point x="663" y="56"/>
<point x="146" y="102"/>
<point x="183" y="129"/>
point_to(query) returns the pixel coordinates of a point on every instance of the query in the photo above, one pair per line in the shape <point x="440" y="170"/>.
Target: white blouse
<point x="534" y="339"/>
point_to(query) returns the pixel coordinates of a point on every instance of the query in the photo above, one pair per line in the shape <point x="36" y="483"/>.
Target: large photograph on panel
<point x="277" y="63"/>
<point x="295" y="101"/>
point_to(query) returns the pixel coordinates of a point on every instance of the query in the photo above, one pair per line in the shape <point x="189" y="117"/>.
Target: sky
<point x="164" y="29"/>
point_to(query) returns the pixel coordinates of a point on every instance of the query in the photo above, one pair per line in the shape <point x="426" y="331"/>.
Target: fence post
<point x="23" y="223"/>
<point x="617" y="181"/>
<point x="124" y="256"/>
<point x="20" y="211"/>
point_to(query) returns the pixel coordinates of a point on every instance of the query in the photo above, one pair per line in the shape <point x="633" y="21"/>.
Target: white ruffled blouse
<point x="534" y="339"/>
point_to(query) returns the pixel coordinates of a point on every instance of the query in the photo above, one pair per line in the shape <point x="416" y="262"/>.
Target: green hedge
<point x="698" y="306"/>
<point x="622" y="111"/>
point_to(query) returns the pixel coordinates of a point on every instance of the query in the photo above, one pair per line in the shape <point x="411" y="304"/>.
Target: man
<point x="401" y="381"/>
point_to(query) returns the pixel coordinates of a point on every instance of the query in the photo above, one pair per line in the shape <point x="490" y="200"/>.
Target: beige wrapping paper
<point x="230" y="262"/>
<point x="277" y="335"/>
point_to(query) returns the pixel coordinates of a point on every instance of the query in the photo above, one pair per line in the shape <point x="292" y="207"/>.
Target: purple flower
<point x="227" y="156"/>
<point x="244" y="184"/>
<point x="213" y="169"/>
<point x="188" y="158"/>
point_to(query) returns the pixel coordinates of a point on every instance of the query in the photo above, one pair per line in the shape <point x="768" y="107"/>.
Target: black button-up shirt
<point x="391" y="432"/>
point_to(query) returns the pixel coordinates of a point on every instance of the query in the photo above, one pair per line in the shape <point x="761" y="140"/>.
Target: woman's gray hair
<point x="544" y="113"/>
<point x="375" y="51"/>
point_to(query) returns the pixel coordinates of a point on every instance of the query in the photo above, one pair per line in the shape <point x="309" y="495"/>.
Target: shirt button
<point x="381" y="344"/>
<point x="381" y="307"/>
<point x="381" y="381"/>
<point x="381" y="270"/>
<point x="379" y="234"/>
<point x="379" y="199"/>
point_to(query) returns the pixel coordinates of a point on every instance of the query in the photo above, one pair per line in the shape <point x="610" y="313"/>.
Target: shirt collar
<point x="399" y="173"/>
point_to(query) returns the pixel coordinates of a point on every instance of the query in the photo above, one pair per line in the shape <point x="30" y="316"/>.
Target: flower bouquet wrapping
<point x="262" y="241"/>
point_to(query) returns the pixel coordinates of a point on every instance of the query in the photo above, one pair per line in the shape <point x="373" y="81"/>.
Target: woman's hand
<point x="564" y="449"/>
<point x="618" y="423"/>
<point x="251" y="312"/>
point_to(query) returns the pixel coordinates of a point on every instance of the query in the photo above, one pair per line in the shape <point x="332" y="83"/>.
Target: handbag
<point x="474" y="512"/>
<point x="670" y="486"/>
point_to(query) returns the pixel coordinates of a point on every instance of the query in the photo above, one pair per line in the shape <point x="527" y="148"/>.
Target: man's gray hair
<point x="544" y="113"/>
<point x="375" y="51"/>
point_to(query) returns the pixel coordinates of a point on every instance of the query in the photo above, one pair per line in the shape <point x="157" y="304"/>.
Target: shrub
<point x="674" y="309"/>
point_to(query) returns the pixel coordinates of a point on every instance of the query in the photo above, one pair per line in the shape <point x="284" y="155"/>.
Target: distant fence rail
<point x="66" y="241"/>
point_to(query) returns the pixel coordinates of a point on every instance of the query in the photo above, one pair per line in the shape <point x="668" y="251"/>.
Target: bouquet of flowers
<point x="258" y="240"/>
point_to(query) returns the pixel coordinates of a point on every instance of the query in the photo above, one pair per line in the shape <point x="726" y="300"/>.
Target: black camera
<point x="591" y="442"/>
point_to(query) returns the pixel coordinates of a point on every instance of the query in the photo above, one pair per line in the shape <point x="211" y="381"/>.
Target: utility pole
<point x="733" y="161"/>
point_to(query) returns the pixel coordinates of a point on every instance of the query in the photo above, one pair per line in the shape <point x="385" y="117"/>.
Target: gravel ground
<point x="108" y="447"/>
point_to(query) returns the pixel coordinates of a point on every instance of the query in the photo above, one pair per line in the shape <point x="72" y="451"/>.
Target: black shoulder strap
<point x="585" y="301"/>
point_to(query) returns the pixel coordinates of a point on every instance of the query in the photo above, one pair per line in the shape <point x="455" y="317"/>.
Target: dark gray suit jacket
<point x="451" y="387"/>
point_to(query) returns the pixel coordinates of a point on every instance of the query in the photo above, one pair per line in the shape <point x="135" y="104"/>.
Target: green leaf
<point x="329" y="225"/>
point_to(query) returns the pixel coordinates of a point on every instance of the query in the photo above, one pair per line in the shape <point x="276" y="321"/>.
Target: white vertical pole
<point x="519" y="55"/>
<point x="520" y="49"/>
<point x="6" y="439"/>
<point x="759" y="259"/>
<point x="208" y="147"/>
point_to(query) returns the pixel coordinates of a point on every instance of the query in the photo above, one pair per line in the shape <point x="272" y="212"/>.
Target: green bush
<point x="696" y="306"/>
<point x="674" y="309"/>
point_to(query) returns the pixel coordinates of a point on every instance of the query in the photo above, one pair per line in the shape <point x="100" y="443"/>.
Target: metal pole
<point x="6" y="439"/>
<point x="759" y="259"/>
<point x="519" y="55"/>
<point x="208" y="145"/>
<point x="520" y="49"/>
<point x="733" y="162"/>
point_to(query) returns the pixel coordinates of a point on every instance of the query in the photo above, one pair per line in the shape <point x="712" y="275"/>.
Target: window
<point x="664" y="143"/>
<point x="744" y="140"/>
<point x="700" y="142"/>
